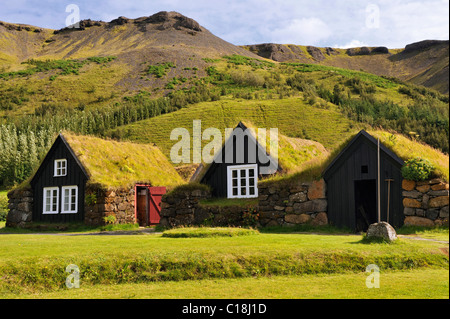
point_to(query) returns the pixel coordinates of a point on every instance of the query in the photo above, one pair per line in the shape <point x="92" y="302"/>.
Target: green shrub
<point x="3" y="208"/>
<point x="203" y="232"/>
<point x="417" y="169"/>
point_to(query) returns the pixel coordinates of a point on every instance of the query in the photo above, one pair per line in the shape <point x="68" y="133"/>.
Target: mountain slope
<point x="134" y="44"/>
<point x="155" y="36"/>
<point x="423" y="63"/>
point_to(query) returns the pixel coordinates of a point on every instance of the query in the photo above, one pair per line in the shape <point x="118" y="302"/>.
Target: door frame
<point x="136" y="187"/>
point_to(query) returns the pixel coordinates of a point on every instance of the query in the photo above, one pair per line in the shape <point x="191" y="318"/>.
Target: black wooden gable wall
<point x="356" y="167"/>
<point x="216" y="173"/>
<point x="44" y="177"/>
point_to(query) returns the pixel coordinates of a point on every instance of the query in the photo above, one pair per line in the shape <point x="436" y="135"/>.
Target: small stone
<point x="408" y="185"/>
<point x="409" y="211"/>
<point x="425" y="199"/>
<point x="443" y="192"/>
<point x="412" y="194"/>
<point x="418" y="221"/>
<point x="297" y="219"/>
<point x="321" y="219"/>
<point x="423" y="188"/>
<point x="298" y="197"/>
<point x="320" y="205"/>
<point x="410" y="202"/>
<point x="443" y="212"/>
<point x="438" y="202"/>
<point x="382" y="230"/>
<point x="420" y="212"/>
<point x="317" y="190"/>
<point x="439" y="187"/>
<point x="432" y="214"/>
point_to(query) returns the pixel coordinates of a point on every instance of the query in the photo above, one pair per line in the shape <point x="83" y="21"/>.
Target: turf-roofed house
<point x="93" y="181"/>
<point x="352" y="187"/>
<point x="237" y="167"/>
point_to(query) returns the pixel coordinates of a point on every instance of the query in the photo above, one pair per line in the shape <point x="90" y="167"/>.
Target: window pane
<point x="251" y="172"/>
<point x="235" y="182"/>
<point x="251" y="182"/>
<point x="243" y="172"/>
<point x="234" y="173"/>
<point x="243" y="182"/>
<point x="251" y="191"/>
<point x="235" y="191"/>
<point x="243" y="191"/>
<point x="73" y="200"/>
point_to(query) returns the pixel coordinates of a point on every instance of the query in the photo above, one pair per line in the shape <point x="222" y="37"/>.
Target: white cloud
<point x="351" y="44"/>
<point x="306" y="31"/>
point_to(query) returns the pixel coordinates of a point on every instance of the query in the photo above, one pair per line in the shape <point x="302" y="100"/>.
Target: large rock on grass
<point x="382" y="230"/>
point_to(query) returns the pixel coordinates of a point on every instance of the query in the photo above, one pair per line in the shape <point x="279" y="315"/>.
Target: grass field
<point x="426" y="283"/>
<point x="259" y="265"/>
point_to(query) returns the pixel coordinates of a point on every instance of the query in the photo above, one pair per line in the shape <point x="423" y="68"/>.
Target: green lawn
<point x="33" y="265"/>
<point x="423" y="283"/>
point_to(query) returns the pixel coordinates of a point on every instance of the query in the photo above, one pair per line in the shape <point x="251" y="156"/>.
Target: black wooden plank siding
<point x="216" y="174"/>
<point x="346" y="169"/>
<point x="44" y="177"/>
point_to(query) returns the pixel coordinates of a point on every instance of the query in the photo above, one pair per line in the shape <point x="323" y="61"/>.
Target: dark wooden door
<point x="142" y="206"/>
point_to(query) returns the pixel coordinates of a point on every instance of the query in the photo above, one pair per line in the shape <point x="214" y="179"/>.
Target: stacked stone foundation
<point x="425" y="203"/>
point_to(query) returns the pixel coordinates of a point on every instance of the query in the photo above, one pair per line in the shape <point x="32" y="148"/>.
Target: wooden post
<point x="389" y="194"/>
<point x="378" y="182"/>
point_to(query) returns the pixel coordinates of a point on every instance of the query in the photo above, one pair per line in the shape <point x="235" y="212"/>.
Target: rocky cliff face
<point x="423" y="63"/>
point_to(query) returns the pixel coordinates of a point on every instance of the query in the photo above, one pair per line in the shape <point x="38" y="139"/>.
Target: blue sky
<point x="335" y="23"/>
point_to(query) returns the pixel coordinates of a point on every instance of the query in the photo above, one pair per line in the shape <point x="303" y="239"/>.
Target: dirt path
<point x="421" y="238"/>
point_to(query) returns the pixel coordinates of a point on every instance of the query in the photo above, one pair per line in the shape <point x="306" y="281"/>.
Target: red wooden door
<point x="155" y="194"/>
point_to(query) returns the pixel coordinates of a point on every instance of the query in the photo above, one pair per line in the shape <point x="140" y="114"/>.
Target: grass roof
<point x="404" y="147"/>
<point x="122" y="164"/>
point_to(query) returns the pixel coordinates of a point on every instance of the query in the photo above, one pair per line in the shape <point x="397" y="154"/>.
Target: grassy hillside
<point x="291" y="116"/>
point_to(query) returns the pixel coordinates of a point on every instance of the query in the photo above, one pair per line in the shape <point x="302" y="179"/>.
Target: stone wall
<point x="425" y="203"/>
<point x="293" y="203"/>
<point x="20" y="205"/>
<point x="182" y="207"/>
<point x="101" y="203"/>
<point x="278" y="204"/>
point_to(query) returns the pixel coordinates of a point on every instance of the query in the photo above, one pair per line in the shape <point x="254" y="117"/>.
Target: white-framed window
<point x="51" y="200"/>
<point x="69" y="200"/>
<point x="242" y="181"/>
<point x="60" y="167"/>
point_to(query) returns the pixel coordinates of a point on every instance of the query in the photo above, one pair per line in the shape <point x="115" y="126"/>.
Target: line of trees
<point x="24" y="141"/>
<point x="427" y="116"/>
